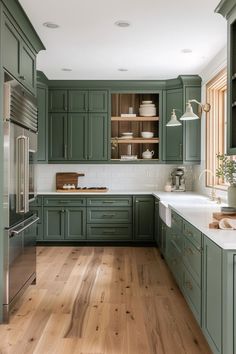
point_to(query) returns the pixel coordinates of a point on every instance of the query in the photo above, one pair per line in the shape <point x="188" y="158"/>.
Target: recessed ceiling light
<point x="122" y="24"/>
<point x="66" y="69"/>
<point x="122" y="69"/>
<point x="186" y="50"/>
<point x="50" y="25"/>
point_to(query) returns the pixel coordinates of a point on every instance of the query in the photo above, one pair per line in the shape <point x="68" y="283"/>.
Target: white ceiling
<point x="88" y="42"/>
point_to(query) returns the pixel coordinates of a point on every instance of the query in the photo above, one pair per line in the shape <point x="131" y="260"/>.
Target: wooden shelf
<point x="135" y="119"/>
<point x="135" y="141"/>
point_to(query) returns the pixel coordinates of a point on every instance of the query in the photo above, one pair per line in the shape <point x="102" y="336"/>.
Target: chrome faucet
<point x="213" y="196"/>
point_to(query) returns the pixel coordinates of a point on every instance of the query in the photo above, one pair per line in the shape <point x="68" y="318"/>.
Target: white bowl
<point x="147" y="112"/>
<point x="147" y="135"/>
<point x="127" y="134"/>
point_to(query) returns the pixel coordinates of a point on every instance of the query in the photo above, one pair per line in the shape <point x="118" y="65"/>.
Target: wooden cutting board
<point x="67" y="178"/>
<point x="219" y="216"/>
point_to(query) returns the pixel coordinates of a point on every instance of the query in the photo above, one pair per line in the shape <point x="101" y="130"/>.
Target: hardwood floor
<point x="102" y="300"/>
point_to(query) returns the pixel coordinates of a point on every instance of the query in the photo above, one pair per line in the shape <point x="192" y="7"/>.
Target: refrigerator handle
<point x="26" y="174"/>
<point x="17" y="232"/>
<point x="22" y="188"/>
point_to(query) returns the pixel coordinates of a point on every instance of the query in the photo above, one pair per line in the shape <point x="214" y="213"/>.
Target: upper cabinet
<point x="227" y="8"/>
<point x="19" y="45"/>
<point x="42" y="99"/>
<point x="78" y="125"/>
<point x="182" y="144"/>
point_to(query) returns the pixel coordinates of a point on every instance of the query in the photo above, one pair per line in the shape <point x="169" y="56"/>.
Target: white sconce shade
<point x="189" y="114"/>
<point x="173" y="122"/>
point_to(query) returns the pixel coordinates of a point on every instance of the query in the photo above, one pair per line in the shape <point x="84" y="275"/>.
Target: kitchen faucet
<point x="213" y="190"/>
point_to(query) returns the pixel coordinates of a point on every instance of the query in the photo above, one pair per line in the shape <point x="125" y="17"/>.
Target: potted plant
<point x="227" y="171"/>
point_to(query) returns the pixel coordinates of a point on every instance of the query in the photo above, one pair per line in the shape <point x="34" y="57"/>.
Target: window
<point x="216" y="95"/>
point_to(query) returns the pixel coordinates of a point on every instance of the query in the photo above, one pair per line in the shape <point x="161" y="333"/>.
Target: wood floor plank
<point x="102" y="300"/>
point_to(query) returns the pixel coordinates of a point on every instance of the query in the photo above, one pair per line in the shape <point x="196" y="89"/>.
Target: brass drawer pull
<point x="109" y="232"/>
<point x="108" y="202"/>
<point x="108" y="215"/>
<point x="189" y="251"/>
<point x="189" y="233"/>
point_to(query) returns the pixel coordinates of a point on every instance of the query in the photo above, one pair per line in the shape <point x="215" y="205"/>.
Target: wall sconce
<point x="190" y="115"/>
<point x="173" y="122"/>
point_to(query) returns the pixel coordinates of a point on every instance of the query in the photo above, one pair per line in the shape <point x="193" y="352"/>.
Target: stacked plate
<point x="147" y="109"/>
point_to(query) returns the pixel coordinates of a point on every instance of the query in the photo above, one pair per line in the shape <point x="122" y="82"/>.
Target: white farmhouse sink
<point x="165" y="213"/>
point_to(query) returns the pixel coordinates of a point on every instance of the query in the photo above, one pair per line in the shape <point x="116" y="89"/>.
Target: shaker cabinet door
<point x="27" y="68"/>
<point x="77" y="144"/>
<point x="75" y="223"/>
<point x="174" y="135"/>
<point x="57" y="100"/>
<point x="54" y="223"/>
<point x="97" y="136"/>
<point x="58" y="137"/>
<point x="97" y="101"/>
<point x="78" y="101"/>
<point x="42" y="98"/>
<point x="144" y="218"/>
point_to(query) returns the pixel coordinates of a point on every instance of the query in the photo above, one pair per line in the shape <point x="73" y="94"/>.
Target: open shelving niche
<point x="120" y="103"/>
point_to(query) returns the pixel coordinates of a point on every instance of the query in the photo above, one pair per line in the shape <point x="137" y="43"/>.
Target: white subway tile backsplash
<point x="145" y="177"/>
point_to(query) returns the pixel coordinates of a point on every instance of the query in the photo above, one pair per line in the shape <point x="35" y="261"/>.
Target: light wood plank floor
<point x="102" y="300"/>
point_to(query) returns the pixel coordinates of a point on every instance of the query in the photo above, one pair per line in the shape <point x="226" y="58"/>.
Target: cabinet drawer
<point x="176" y="222"/>
<point x="110" y="201"/>
<point x="192" y="257"/>
<point x="55" y="201"/>
<point x="193" y="234"/>
<point x="109" y="215"/>
<point x="192" y="293"/>
<point x="114" y="232"/>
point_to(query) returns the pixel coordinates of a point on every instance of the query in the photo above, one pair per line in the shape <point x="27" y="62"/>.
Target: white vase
<point x="232" y="196"/>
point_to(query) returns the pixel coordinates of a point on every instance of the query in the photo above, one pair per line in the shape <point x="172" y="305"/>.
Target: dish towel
<point x="227" y="224"/>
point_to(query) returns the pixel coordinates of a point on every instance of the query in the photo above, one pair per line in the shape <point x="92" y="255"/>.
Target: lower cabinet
<point x="212" y="296"/>
<point x="64" y="223"/>
<point x="156" y="222"/>
<point x="143" y="218"/>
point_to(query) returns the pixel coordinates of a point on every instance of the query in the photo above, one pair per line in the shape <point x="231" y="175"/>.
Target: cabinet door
<point x="162" y="237"/>
<point x="75" y="223"/>
<point x="97" y="136"/>
<point x="77" y="142"/>
<point x="156" y="222"/>
<point x="143" y="218"/>
<point x="192" y="129"/>
<point x="212" y="298"/>
<point x="174" y="135"/>
<point x="11" y="48"/>
<point x="27" y="68"/>
<point x="42" y="97"/>
<point x="78" y="101"/>
<point x="54" y="223"/>
<point x="57" y="137"/>
<point x="58" y="100"/>
<point x="98" y="101"/>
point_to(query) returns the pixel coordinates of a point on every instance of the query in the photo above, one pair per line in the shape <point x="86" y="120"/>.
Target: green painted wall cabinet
<point x="78" y="125"/>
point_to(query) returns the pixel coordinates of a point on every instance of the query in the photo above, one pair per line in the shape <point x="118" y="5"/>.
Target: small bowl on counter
<point x="147" y="135"/>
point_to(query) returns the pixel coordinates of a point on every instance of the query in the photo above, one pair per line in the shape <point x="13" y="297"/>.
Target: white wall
<point x="124" y="177"/>
<point x="213" y="68"/>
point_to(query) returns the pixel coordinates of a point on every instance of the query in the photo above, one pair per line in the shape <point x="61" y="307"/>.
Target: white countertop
<point x="194" y="208"/>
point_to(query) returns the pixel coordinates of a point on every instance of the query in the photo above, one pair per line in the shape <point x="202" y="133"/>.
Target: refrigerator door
<point x="20" y="261"/>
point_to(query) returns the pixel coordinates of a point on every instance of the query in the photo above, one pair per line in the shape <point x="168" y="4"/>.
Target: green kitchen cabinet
<point x="42" y="99"/>
<point x="39" y="227"/>
<point x="58" y="143"/>
<point x="11" y="45"/>
<point x="156" y="222"/>
<point x="18" y="59"/>
<point x="192" y="129"/>
<point x="75" y="223"/>
<point x="54" y="223"/>
<point x="78" y="101"/>
<point x="162" y="237"/>
<point x="77" y="137"/>
<point x="97" y="137"/>
<point x="174" y="135"/>
<point x="227" y="9"/>
<point x="182" y="144"/>
<point x="212" y="295"/>
<point x="64" y="223"/>
<point x="97" y="101"/>
<point x="58" y="101"/>
<point x="143" y="218"/>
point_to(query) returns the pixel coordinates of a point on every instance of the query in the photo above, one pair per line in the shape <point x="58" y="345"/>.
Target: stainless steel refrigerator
<point x="20" y="148"/>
